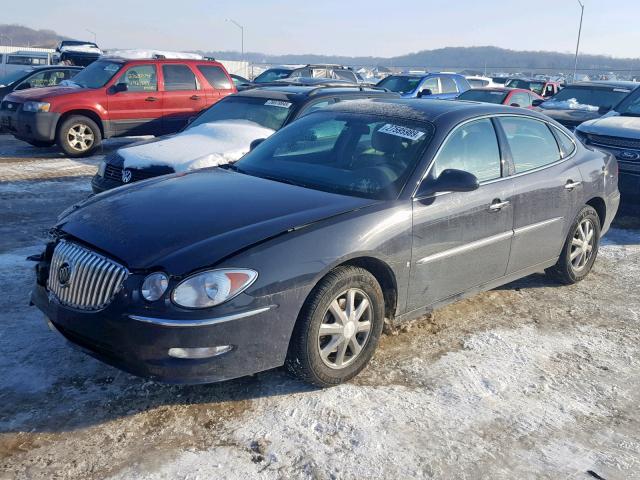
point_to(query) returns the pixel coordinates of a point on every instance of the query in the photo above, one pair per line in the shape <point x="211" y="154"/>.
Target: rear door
<point x="462" y="239"/>
<point x="184" y="97"/>
<point x="547" y="186"/>
<point x="219" y="83"/>
<point x="138" y="110"/>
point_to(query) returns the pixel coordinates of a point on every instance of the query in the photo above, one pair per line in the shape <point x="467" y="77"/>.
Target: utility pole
<point x="241" y="36"/>
<point x="575" y="66"/>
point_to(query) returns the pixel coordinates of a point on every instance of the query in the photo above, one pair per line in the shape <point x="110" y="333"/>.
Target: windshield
<point x="265" y="112"/>
<point x="272" y="75"/>
<point x="400" y="84"/>
<point x="344" y="153"/>
<point x="630" y="106"/>
<point x="575" y="96"/>
<point x="537" y="87"/>
<point x="97" y="74"/>
<point x="486" y="96"/>
<point x="12" y="77"/>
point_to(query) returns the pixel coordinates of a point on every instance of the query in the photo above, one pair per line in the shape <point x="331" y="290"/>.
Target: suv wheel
<point x="338" y="329"/>
<point x="580" y="249"/>
<point x="78" y="136"/>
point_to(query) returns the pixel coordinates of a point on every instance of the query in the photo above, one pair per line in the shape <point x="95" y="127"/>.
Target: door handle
<point x="570" y="185"/>
<point x="195" y="97"/>
<point x="151" y="99"/>
<point x="497" y="205"/>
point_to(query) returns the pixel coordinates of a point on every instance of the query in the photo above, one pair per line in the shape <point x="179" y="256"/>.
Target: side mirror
<point x="450" y="180"/>
<point x="515" y="105"/>
<point x="118" y="87"/>
<point x="537" y="102"/>
<point x="425" y="92"/>
<point x="255" y="143"/>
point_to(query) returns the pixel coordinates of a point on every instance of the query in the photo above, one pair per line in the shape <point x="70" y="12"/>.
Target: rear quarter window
<point x="215" y="76"/>
<point x="567" y="146"/>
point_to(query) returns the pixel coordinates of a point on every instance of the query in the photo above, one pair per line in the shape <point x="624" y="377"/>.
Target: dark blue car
<point x="443" y="86"/>
<point x="297" y="253"/>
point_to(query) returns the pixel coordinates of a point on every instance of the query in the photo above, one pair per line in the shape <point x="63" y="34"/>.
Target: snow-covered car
<point x="618" y="132"/>
<point x="78" y="52"/>
<point x="223" y="133"/>
<point x="584" y="101"/>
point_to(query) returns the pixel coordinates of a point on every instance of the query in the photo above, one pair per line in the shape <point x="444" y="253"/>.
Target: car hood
<point x="613" y="126"/>
<point x="187" y="221"/>
<point x="206" y="145"/>
<point x="37" y="94"/>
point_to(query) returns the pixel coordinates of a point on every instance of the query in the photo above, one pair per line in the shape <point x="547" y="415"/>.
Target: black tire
<point x="303" y="358"/>
<point x="564" y="270"/>
<point x="40" y="143"/>
<point x="63" y="136"/>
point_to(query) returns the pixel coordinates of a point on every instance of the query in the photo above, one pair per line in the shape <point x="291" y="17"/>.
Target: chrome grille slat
<point x="94" y="280"/>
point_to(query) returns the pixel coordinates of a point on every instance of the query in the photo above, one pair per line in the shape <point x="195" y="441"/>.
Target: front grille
<point x="84" y="279"/>
<point x="111" y="172"/>
<point x="9" y="106"/>
<point x="618" y="142"/>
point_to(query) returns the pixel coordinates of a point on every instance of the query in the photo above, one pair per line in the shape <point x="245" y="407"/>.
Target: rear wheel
<point x="78" y="136"/>
<point x="580" y="249"/>
<point x="338" y="329"/>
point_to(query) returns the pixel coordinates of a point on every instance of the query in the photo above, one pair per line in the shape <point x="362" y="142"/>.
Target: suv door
<point x="183" y="96"/>
<point x="547" y="188"/>
<point x="462" y="239"/>
<point x="220" y="84"/>
<point x="138" y="109"/>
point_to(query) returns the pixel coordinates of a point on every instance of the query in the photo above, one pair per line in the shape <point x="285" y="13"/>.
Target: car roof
<point x="606" y="83"/>
<point x="296" y="93"/>
<point x="500" y="89"/>
<point x="430" y="110"/>
<point x="423" y="75"/>
<point x="155" y="60"/>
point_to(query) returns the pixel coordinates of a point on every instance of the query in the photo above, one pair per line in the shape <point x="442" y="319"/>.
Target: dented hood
<point x="187" y="221"/>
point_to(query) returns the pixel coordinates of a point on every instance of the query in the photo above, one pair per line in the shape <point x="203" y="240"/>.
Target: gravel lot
<point x="529" y="381"/>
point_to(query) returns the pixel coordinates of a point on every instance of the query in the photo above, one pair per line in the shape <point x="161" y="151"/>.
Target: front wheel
<point x="78" y="136"/>
<point x="580" y="248"/>
<point x="338" y="328"/>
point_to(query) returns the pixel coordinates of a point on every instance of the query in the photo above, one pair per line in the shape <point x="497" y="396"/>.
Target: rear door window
<point x="473" y="147"/>
<point x="531" y="143"/>
<point x="432" y="84"/>
<point x="140" y="78"/>
<point x="215" y="76"/>
<point x="448" y="85"/>
<point x="178" y="77"/>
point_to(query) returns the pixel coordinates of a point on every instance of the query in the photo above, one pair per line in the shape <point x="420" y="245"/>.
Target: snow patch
<point x="138" y="54"/>
<point x="571" y="104"/>
<point x="206" y="145"/>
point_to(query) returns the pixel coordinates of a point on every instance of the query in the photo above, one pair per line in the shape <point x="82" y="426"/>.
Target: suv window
<point x="521" y="99"/>
<point x="25" y="60"/>
<point x="473" y="147"/>
<point x="448" y="85"/>
<point x="531" y="142"/>
<point x="178" y="77"/>
<point x="47" y="78"/>
<point x="432" y="84"/>
<point x="215" y="76"/>
<point x="346" y="75"/>
<point x="140" y="78"/>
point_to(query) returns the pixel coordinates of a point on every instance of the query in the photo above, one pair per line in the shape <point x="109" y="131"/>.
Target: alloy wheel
<point x="582" y="245"/>
<point x="345" y="328"/>
<point x="80" y="137"/>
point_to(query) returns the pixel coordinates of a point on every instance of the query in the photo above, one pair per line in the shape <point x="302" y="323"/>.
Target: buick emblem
<point x="126" y="175"/>
<point x="629" y="155"/>
<point x="64" y="274"/>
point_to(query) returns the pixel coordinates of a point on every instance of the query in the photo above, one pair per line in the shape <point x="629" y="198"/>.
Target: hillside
<point x="25" y="36"/>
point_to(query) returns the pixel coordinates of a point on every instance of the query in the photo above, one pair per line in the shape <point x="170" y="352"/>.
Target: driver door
<point x="462" y="239"/>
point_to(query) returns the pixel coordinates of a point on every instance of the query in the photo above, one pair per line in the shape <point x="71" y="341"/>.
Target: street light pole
<point x="95" y="37"/>
<point x="8" y="37"/>
<point x="241" y="36"/>
<point x="575" y="66"/>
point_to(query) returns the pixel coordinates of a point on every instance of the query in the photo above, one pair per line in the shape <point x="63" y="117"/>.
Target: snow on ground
<point x="531" y="381"/>
<point x="206" y="145"/>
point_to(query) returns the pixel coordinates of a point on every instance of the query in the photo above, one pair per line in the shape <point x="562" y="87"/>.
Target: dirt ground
<point x="530" y="381"/>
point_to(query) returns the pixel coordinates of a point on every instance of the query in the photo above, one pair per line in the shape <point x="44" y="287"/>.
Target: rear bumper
<point x="39" y="126"/>
<point x="259" y="336"/>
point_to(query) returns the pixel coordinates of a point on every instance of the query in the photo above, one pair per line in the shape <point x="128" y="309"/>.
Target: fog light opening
<point x="200" y="352"/>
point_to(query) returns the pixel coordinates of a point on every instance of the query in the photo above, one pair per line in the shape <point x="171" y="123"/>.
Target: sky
<point x="351" y="28"/>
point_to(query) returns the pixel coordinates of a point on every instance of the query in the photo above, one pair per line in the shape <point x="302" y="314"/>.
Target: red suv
<point x="115" y="97"/>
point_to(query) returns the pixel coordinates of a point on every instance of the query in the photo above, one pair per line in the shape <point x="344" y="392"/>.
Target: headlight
<point x="36" y="107"/>
<point x="213" y="287"/>
<point x="154" y="286"/>
<point x="101" y="168"/>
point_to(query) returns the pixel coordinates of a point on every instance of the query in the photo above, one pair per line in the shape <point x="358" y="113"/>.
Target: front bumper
<point x="139" y="344"/>
<point x="101" y="184"/>
<point x="38" y="126"/>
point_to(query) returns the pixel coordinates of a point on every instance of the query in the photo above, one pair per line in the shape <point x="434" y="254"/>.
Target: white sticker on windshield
<point x="278" y="103"/>
<point x="403" y="132"/>
<point x="111" y="67"/>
